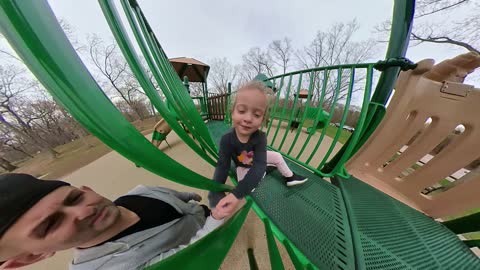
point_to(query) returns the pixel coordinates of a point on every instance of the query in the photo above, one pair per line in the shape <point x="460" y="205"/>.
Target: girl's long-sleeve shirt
<point x="252" y="154"/>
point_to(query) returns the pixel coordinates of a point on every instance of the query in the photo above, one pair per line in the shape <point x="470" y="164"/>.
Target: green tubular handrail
<point x="339" y="168"/>
<point x="304" y="116"/>
<point x="299" y="260"/>
<point x="342" y="121"/>
<point x="320" y="115"/>
<point x="332" y="110"/>
<point x="166" y="77"/>
<point x="213" y="247"/>
<point x="403" y="13"/>
<point x="275" y="258"/>
<point x="134" y="62"/>
<point x="292" y="113"/>
<point x="319" y="112"/>
<point x="33" y="31"/>
<point x="187" y="107"/>
<point x="143" y="43"/>
<point x="274" y="109"/>
<point x="285" y="104"/>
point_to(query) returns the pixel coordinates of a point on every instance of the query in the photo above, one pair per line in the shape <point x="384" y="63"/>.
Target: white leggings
<point x="273" y="158"/>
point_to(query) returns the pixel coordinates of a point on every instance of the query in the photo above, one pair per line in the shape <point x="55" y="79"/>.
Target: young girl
<point x="246" y="145"/>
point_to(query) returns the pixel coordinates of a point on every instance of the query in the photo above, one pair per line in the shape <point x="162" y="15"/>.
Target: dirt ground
<point x="73" y="156"/>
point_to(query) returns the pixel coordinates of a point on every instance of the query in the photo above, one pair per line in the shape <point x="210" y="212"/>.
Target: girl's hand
<point x="216" y="215"/>
<point x="227" y="205"/>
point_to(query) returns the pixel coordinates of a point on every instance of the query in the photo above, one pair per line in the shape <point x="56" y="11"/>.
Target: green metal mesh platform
<point x="391" y="235"/>
<point x="312" y="215"/>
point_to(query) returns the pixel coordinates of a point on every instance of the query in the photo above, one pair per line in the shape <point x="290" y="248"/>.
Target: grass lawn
<point x="331" y="131"/>
<point x="473" y="235"/>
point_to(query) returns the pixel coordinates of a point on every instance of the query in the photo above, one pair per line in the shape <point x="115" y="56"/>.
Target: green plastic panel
<point x="208" y="252"/>
<point x="391" y="235"/>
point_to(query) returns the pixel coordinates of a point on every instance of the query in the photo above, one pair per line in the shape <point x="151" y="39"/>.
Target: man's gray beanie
<point x="20" y="192"/>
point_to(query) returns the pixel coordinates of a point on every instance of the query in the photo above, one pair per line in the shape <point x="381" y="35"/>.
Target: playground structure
<point x="191" y="70"/>
<point x="346" y="224"/>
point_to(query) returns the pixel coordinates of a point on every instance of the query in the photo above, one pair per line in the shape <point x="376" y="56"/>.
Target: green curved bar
<point x="284" y="109"/>
<point x="294" y="108"/>
<point x="116" y="25"/>
<point x="361" y="122"/>
<point x="32" y="29"/>
<point x="319" y="112"/>
<point x="273" y="111"/>
<point x="343" y="120"/>
<point x="275" y="257"/>
<point x="213" y="247"/>
<point x="402" y="21"/>
<point x="331" y="112"/>
<point x="304" y="115"/>
<point x="169" y="82"/>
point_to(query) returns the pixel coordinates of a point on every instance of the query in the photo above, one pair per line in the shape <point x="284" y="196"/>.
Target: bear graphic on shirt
<point x="246" y="158"/>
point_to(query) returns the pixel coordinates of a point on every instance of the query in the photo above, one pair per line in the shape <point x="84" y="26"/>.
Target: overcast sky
<point x="209" y="29"/>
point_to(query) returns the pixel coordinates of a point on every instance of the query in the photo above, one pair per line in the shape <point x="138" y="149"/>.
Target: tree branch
<point x="460" y="2"/>
<point x="445" y="40"/>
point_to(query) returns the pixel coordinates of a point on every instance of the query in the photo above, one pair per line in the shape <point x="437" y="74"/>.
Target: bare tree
<point x="196" y="88"/>
<point x="13" y="88"/>
<point x="115" y="72"/>
<point x="429" y="7"/>
<point x="5" y="164"/>
<point x="256" y="61"/>
<point x="333" y="47"/>
<point x="434" y="24"/>
<point x="221" y="73"/>
<point x="14" y="144"/>
<point x="281" y="52"/>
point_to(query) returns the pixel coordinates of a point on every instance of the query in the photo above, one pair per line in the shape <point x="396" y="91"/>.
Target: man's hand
<point x="227" y="205"/>
<point x="186" y="196"/>
<point x="195" y="197"/>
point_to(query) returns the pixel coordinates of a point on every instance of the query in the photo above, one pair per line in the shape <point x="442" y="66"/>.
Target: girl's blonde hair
<point x="260" y="86"/>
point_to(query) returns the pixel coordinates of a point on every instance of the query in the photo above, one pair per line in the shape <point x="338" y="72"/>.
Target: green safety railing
<point x="135" y="64"/>
<point x="402" y="21"/>
<point x="201" y="106"/>
<point x="163" y="72"/>
<point x="303" y="108"/>
<point x="327" y="87"/>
